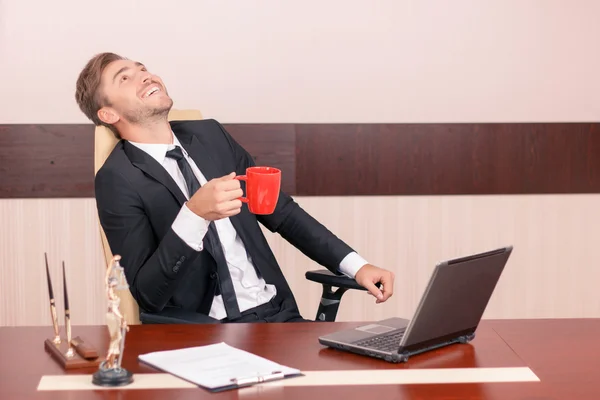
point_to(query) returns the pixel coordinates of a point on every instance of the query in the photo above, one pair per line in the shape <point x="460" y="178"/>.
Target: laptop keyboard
<point x="387" y="342"/>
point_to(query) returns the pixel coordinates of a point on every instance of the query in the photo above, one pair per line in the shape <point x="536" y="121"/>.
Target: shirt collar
<point x="159" y="150"/>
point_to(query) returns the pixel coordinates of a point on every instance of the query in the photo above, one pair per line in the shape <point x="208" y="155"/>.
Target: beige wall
<point x="553" y="271"/>
<point x="334" y="61"/>
<point x="315" y="61"/>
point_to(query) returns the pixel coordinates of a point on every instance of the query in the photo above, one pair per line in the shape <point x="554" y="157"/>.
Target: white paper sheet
<point x="214" y="366"/>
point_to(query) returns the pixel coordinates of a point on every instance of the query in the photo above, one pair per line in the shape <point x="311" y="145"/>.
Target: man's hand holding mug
<point x="222" y="197"/>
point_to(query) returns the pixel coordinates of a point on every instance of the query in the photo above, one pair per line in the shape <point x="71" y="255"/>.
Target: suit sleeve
<point x="294" y="224"/>
<point x="153" y="267"/>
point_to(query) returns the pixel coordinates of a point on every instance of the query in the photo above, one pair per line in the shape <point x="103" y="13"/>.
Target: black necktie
<point x="224" y="278"/>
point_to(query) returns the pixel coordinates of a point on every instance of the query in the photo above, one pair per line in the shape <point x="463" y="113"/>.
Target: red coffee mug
<point x="262" y="189"/>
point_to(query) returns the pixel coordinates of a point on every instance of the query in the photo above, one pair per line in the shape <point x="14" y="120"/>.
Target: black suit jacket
<point x="138" y="201"/>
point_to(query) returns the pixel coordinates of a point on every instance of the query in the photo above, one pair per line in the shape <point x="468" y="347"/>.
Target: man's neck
<point x="154" y="132"/>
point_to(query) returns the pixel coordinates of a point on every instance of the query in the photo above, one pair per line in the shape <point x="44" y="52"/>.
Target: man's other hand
<point x="368" y="275"/>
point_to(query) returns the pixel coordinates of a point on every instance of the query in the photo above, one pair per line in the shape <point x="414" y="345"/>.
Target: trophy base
<point x="112" y="377"/>
<point x="59" y="351"/>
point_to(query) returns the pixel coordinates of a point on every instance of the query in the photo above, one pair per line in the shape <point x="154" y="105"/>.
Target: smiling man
<point x="169" y="205"/>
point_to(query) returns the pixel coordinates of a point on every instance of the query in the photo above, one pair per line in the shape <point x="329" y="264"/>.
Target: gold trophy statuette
<point x="110" y="372"/>
<point x="70" y="353"/>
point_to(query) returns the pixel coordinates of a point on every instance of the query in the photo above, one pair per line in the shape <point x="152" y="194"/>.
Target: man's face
<point x="132" y="94"/>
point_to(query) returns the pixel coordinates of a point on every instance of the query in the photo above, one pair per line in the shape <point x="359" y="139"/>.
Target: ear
<point x="108" y="115"/>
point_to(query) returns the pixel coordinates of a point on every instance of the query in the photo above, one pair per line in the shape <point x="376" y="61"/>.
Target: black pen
<point x="70" y="352"/>
<point x="52" y="304"/>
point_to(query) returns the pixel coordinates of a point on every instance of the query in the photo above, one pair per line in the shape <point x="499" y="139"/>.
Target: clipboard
<point x="238" y="383"/>
<point x="218" y="367"/>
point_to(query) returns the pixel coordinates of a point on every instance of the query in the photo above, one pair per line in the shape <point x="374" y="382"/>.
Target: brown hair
<point x="87" y="93"/>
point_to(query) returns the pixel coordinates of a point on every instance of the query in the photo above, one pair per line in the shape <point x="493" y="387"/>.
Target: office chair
<point x="104" y="142"/>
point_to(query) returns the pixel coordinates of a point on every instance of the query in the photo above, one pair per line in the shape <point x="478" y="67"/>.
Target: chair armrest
<point x="172" y="315"/>
<point x="326" y="277"/>
<point x="330" y="299"/>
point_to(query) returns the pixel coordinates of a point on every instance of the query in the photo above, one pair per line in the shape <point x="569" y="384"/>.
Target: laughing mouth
<point x="151" y="91"/>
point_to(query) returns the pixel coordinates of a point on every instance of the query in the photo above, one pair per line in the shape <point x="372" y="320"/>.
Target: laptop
<point x="448" y="313"/>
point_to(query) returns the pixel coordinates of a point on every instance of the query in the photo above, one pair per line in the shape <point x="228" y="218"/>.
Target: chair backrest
<point x="104" y="143"/>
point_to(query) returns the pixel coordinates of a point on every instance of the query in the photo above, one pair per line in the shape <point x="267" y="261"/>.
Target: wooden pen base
<point x="59" y="352"/>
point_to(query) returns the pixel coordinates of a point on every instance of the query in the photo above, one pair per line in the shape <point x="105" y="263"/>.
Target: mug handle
<point x="242" y="178"/>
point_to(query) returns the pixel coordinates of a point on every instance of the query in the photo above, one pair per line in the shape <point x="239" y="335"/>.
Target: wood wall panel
<point x="46" y="161"/>
<point x="57" y="160"/>
<point x="437" y="159"/>
<point x="270" y="145"/>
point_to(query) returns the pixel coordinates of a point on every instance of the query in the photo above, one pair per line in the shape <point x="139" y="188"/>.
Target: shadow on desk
<point x="456" y="356"/>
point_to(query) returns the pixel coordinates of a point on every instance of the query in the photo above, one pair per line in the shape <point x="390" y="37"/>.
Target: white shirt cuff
<point x="190" y="227"/>
<point x="351" y="264"/>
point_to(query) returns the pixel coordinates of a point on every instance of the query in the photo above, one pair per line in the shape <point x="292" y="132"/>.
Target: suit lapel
<point x="151" y="167"/>
<point x="201" y="156"/>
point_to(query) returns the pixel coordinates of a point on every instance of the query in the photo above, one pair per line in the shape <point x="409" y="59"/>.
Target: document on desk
<point x="218" y="367"/>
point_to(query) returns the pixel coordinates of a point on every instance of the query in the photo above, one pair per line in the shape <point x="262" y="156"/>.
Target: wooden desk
<point x="564" y="354"/>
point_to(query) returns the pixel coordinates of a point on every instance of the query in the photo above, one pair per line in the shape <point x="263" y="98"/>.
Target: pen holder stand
<point x="70" y="353"/>
<point x="76" y="360"/>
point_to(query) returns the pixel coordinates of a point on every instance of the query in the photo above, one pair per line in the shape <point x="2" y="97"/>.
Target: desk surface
<point x="564" y="354"/>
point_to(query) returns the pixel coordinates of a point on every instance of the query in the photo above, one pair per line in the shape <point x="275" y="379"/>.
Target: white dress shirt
<point x="251" y="290"/>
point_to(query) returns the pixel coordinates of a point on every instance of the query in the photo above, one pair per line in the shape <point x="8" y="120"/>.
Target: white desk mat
<point x="140" y="381"/>
<point x="410" y="376"/>
<point x="316" y="378"/>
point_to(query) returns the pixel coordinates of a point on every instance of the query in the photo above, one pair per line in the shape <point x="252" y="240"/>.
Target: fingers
<point x="231" y="188"/>
<point x="228" y="184"/>
<point x="368" y="276"/>
<point x="232" y="212"/>
<point x="232" y="184"/>
<point x="387" y="281"/>
<point x="370" y="286"/>
<point x="225" y="211"/>
<point x="231" y="205"/>
<point x="228" y="213"/>
<point x="230" y="195"/>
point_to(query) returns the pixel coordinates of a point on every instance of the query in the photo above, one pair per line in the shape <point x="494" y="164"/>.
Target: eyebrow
<point x="119" y="72"/>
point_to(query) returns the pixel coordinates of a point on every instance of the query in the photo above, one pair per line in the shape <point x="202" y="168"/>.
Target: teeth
<point x="151" y="91"/>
